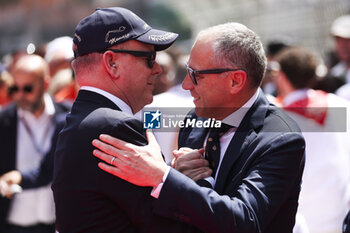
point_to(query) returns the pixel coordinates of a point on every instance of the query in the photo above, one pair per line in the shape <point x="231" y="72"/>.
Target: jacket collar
<point x="98" y="99"/>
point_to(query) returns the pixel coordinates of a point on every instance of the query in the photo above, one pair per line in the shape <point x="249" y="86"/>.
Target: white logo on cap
<point x="165" y="37"/>
<point x="78" y="37"/>
<point x="114" y="39"/>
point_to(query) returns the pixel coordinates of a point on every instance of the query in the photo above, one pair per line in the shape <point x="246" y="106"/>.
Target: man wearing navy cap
<point x="115" y="66"/>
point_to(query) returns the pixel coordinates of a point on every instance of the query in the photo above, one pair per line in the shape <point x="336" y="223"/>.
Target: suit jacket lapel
<point x="192" y="137"/>
<point x="196" y="138"/>
<point x="245" y="133"/>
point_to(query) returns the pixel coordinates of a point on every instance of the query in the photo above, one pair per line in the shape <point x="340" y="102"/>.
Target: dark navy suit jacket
<point x="88" y="199"/>
<point x="8" y="142"/>
<point x="258" y="184"/>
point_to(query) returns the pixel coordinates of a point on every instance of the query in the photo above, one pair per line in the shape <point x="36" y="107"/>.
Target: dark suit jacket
<point x="8" y="141"/>
<point x="88" y="199"/>
<point x="346" y="223"/>
<point x="258" y="184"/>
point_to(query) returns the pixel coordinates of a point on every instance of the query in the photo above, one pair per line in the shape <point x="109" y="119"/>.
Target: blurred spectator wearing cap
<point x="28" y="134"/>
<point x="340" y="30"/>
<point x="325" y="190"/>
<point x="115" y="66"/>
<point x="59" y="54"/>
<point x="339" y="60"/>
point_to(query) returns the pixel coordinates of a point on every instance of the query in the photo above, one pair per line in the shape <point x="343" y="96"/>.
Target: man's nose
<point x="187" y="83"/>
<point x="156" y="70"/>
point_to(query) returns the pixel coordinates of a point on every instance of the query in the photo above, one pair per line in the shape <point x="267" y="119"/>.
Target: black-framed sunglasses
<point x="26" y="89"/>
<point x="149" y="55"/>
<point x="192" y="73"/>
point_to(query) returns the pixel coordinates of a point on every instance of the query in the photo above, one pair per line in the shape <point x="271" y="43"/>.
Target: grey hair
<point x="236" y="45"/>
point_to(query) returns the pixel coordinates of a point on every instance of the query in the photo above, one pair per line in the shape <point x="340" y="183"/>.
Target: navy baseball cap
<point x="110" y="26"/>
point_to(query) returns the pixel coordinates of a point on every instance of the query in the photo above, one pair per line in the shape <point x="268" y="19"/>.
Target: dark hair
<point x="299" y="65"/>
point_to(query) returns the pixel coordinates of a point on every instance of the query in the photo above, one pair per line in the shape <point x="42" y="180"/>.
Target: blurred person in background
<point x="173" y="101"/>
<point x="181" y="97"/>
<point x="28" y="133"/>
<point x="337" y="61"/>
<point x="5" y="82"/>
<point x="11" y="59"/>
<point x="59" y="54"/>
<point x="325" y="190"/>
<point x="273" y="47"/>
<point x="340" y="30"/>
<point x="165" y="80"/>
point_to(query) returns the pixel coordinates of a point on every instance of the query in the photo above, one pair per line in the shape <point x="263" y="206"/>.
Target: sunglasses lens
<point x="150" y="63"/>
<point x="192" y="76"/>
<point x="13" y="90"/>
<point x="28" y="89"/>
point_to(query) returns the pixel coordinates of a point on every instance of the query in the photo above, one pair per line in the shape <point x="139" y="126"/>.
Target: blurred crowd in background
<point x="325" y="50"/>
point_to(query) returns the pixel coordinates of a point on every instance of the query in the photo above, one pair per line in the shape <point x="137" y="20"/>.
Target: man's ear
<point x="46" y="81"/>
<point x="238" y="79"/>
<point x="109" y="63"/>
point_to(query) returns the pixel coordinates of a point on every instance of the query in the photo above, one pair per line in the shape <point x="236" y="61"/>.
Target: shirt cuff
<point x="156" y="190"/>
<point x="211" y="180"/>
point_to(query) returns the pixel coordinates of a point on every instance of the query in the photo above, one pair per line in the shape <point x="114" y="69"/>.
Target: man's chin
<point x="149" y="100"/>
<point x="25" y="107"/>
<point x="202" y="112"/>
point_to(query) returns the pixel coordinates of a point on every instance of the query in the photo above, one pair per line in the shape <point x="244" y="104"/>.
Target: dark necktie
<point x="212" y="148"/>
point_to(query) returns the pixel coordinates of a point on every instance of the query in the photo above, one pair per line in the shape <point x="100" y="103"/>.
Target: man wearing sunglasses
<point x="115" y="66"/>
<point x="256" y="165"/>
<point x="29" y="129"/>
